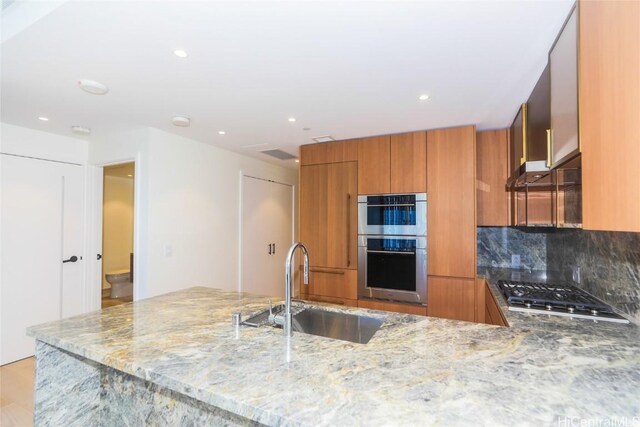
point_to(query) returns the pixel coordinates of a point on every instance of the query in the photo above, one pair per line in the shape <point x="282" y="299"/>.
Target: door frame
<point x="93" y="272"/>
<point x="294" y="235"/>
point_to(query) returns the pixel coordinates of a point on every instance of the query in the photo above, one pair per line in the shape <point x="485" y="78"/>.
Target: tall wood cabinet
<point x="609" y="93"/>
<point x="451" y="218"/>
<point x="328" y="208"/>
<point x="492" y="172"/>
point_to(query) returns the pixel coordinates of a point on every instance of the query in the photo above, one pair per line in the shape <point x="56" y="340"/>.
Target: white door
<point x="267" y="233"/>
<point x="42" y="225"/>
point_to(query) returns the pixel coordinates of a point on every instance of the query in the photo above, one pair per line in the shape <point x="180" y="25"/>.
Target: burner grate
<point x="556" y="296"/>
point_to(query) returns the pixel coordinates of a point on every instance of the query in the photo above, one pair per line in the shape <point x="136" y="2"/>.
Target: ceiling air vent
<point x="278" y="154"/>
<point x="323" y="138"/>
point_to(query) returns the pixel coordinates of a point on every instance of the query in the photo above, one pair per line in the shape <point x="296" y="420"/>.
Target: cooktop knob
<point x="548" y="307"/>
<point x="570" y="309"/>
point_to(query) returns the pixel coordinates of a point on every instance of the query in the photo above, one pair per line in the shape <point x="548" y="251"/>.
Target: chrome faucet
<point x="285" y="319"/>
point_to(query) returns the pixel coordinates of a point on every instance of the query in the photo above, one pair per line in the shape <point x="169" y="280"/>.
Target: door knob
<point x="72" y="259"/>
<point x="98" y="257"/>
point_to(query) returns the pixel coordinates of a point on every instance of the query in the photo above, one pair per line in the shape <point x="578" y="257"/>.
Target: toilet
<point x="120" y="281"/>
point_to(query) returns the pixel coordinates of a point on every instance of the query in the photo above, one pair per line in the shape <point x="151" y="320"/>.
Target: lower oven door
<point x="393" y="268"/>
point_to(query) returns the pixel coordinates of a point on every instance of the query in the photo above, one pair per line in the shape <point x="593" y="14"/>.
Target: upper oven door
<point x="393" y="214"/>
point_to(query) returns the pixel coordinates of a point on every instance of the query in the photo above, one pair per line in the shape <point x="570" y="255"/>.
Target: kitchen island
<point x="176" y="359"/>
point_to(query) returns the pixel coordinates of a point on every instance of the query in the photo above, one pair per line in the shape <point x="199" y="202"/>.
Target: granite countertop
<point x="414" y="371"/>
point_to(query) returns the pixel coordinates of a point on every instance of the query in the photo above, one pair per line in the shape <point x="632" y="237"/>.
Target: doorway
<point x="117" y="234"/>
<point x="267" y="233"/>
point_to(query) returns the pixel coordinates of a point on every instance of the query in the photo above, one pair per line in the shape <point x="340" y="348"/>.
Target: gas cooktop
<point x="559" y="300"/>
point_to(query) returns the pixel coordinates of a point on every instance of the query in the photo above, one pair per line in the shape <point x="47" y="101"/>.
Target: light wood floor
<point x="16" y="393"/>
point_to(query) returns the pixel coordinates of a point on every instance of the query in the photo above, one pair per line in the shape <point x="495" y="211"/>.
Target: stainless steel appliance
<point x="560" y="300"/>
<point x="393" y="214"/>
<point x="392" y="247"/>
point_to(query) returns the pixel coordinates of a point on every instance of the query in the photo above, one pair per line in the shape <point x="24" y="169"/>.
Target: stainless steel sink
<point x="339" y="326"/>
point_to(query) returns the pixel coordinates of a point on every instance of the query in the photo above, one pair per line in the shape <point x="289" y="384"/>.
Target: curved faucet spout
<point x="286" y="324"/>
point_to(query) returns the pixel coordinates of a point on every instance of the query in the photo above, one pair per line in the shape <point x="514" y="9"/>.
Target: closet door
<point x="42" y="225"/>
<point x="267" y="233"/>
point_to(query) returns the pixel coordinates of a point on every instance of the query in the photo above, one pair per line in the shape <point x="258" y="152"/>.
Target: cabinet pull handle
<point x="274" y="248"/>
<point x="549" y="137"/>
<point x="315" y="270"/>
<point x="348" y="229"/>
<point x="270" y="249"/>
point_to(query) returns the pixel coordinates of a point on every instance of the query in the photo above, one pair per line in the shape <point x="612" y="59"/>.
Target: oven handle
<point x="391" y="252"/>
<point x="390" y="206"/>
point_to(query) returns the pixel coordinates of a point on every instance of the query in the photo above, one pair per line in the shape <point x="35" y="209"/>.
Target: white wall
<point x="194" y="212"/>
<point x="42" y="145"/>
<point x="187" y="205"/>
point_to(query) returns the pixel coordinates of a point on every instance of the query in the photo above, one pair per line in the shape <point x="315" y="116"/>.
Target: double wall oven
<point x="392" y="247"/>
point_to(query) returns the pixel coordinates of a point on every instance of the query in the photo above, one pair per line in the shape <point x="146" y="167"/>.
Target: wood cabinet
<point x="328" y="209"/>
<point x="393" y="164"/>
<point x="492" y="172"/>
<point x="329" y="152"/>
<point x="393" y="306"/>
<point x="518" y="134"/>
<point x="609" y="87"/>
<point x="374" y="165"/>
<point x="328" y="228"/>
<point x="492" y="313"/>
<point x="409" y="162"/>
<point x="451" y="298"/>
<point x="334" y="285"/>
<point x="451" y="205"/>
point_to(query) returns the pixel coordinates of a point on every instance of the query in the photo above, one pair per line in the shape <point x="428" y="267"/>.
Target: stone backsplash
<point x="609" y="264"/>
<point x="497" y="244"/>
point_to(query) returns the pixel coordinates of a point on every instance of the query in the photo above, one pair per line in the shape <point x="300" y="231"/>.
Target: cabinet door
<point x="374" y="168"/>
<point x="409" y="162"/>
<point x="609" y="106"/>
<point x="333" y="283"/>
<point x="451" y="204"/>
<point x="451" y="298"/>
<point x="492" y="172"/>
<point x="538" y="119"/>
<point x="329" y="152"/>
<point x="563" y="61"/>
<point x="328" y="217"/>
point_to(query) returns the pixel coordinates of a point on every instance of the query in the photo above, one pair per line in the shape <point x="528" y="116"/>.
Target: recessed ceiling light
<point x="221" y="132"/>
<point x="423" y="97"/>
<point x="180" y="53"/>
<point x="44" y="119"/>
<point x="292" y="119"/>
<point x="93" y="87"/>
<point x="297" y="160"/>
<point x="181" y="121"/>
<point x="80" y="130"/>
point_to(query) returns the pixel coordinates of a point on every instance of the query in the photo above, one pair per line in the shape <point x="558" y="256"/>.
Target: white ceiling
<point x="346" y="69"/>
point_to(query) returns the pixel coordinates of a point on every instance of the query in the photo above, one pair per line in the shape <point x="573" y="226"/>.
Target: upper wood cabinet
<point x="329" y="152"/>
<point x="409" y="162"/>
<point x="609" y="89"/>
<point x="393" y="164"/>
<point x="451" y="204"/>
<point x="492" y="172"/>
<point x="374" y="165"/>
<point x="328" y="214"/>
<point x="563" y="63"/>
